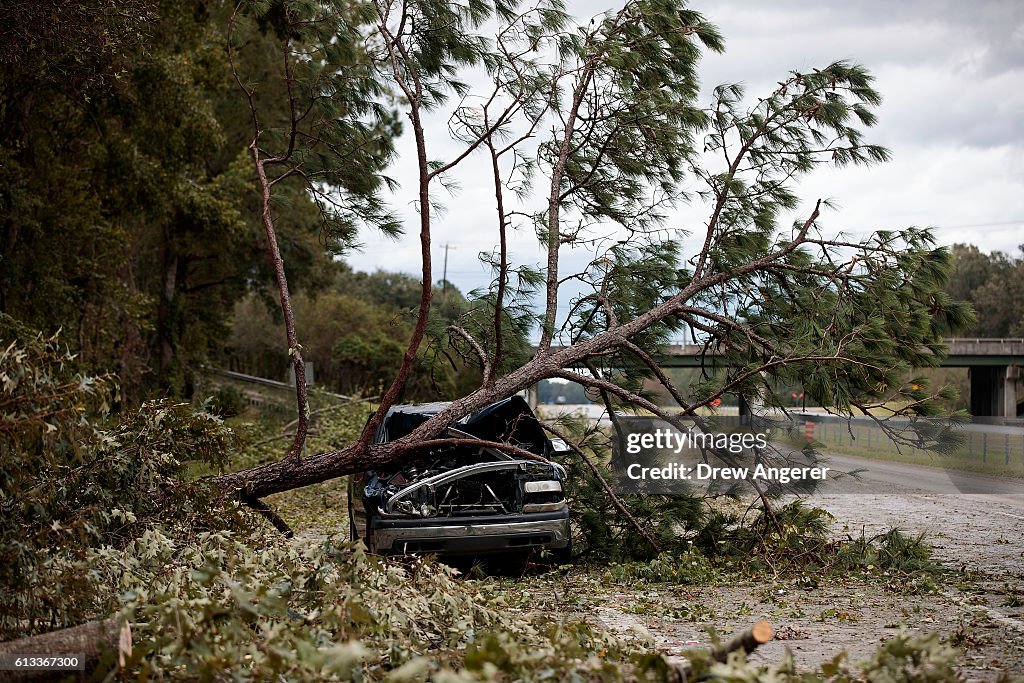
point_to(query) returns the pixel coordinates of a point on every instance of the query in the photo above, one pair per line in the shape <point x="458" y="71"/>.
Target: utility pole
<point x="444" y="277"/>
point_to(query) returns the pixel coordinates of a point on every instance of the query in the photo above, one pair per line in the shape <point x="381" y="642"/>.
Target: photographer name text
<point x="705" y="472"/>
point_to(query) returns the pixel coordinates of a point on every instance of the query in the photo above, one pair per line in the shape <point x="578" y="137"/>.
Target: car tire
<point x="562" y="555"/>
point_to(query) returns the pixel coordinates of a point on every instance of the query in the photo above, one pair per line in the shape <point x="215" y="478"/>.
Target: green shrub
<point x="227" y="401"/>
<point x="72" y="479"/>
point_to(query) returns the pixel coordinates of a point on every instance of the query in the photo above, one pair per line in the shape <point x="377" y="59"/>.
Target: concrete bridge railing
<point x="994" y="367"/>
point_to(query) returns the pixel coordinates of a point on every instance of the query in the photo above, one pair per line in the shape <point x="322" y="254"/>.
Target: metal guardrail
<point x="252" y="379"/>
<point x="263" y="381"/>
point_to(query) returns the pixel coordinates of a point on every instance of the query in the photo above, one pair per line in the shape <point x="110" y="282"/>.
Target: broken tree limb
<point x="485" y="362"/>
<point x="747" y="641"/>
<point x="271" y="516"/>
<point x="277" y="264"/>
<point x="607" y="489"/>
<point x="91" y="640"/>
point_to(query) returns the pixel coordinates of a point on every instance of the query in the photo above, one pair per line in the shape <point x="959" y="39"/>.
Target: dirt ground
<point x="980" y="609"/>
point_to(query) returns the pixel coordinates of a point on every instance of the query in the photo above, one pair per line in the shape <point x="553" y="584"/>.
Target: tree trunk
<point x="91" y="641"/>
<point x="294" y="349"/>
<point x="165" y="312"/>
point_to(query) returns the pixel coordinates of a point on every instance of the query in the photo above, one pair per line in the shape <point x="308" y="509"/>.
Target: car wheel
<point x="562" y="555"/>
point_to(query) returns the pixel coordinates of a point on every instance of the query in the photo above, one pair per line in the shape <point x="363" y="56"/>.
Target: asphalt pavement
<point x="880" y="476"/>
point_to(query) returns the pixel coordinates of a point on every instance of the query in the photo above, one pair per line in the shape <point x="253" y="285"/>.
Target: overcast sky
<point x="952" y="78"/>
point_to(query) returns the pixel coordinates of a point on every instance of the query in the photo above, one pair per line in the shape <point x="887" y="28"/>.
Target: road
<point x="881" y="476"/>
<point x="979" y="536"/>
<point x="973" y="522"/>
<point x="981" y="529"/>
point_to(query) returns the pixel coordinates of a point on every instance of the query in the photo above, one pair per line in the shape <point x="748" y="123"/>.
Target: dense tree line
<point x="128" y="212"/>
<point x="994" y="284"/>
<point x="354" y="333"/>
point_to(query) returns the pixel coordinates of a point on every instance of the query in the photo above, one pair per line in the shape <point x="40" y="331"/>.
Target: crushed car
<point x="464" y="499"/>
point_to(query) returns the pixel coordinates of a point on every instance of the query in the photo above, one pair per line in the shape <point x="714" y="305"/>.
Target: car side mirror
<point x="560" y="447"/>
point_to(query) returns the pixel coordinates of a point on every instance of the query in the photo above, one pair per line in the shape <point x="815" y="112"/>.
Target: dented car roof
<point x="508" y="420"/>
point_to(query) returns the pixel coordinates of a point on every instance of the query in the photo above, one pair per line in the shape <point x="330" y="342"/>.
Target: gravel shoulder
<point x="980" y="609"/>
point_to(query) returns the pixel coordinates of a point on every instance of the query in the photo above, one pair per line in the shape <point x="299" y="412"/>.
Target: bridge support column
<point x="994" y="390"/>
<point x="1010" y="391"/>
<point x="743" y="409"/>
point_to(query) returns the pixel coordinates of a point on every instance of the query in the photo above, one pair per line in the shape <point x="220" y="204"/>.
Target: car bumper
<point x="455" y="536"/>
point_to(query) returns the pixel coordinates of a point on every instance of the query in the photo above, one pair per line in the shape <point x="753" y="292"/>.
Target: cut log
<point x="91" y="640"/>
<point x="748" y="641"/>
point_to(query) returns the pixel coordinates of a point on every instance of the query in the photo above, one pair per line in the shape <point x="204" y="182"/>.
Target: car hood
<point x="466" y="480"/>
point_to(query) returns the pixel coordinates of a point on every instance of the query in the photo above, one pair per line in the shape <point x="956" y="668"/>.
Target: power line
<point x="982" y="225"/>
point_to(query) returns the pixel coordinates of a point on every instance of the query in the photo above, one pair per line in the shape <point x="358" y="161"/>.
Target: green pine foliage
<point x="130" y="218"/>
<point x="72" y="479"/>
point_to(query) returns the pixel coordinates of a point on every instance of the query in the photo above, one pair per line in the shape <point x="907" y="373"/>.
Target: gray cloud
<point x="952" y="78"/>
<point x="948" y="72"/>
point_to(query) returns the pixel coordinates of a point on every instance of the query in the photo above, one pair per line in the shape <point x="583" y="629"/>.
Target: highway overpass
<point x="993" y="366"/>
